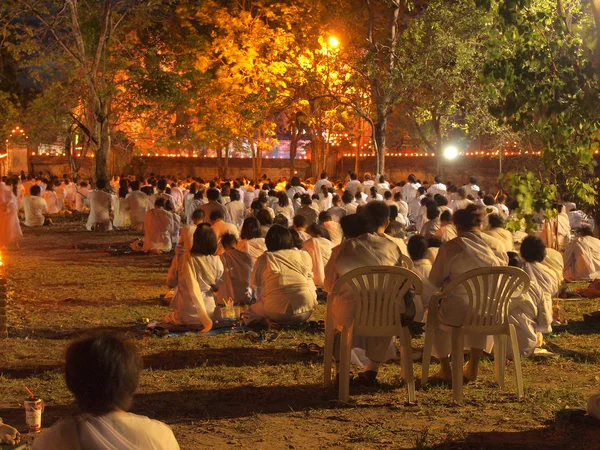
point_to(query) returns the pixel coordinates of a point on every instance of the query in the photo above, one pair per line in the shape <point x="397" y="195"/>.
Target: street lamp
<point x="333" y="42"/>
<point x="450" y="152"/>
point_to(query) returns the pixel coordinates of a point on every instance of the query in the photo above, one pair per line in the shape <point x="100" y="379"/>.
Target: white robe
<point x="456" y="257"/>
<point x="100" y="204"/>
<point x="423" y="269"/>
<point x="196" y="277"/>
<point x="122" y="216"/>
<point x="582" y="258"/>
<point x="222" y="228"/>
<point x="115" y="430"/>
<point x="504" y="236"/>
<point x="255" y="247"/>
<point x="52" y="201"/>
<point x="447" y="232"/>
<point x="283" y="284"/>
<point x="137" y="204"/>
<point x="553" y="264"/>
<point x="237" y="212"/>
<point x="335" y="232"/>
<point x="34" y="207"/>
<point x="158" y="229"/>
<point x="10" y="230"/>
<point x="81" y="198"/>
<point x="319" y="250"/>
<point x="236" y="276"/>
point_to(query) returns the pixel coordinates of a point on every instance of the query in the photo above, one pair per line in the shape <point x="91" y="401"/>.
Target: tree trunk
<point x="225" y="170"/>
<point x="254" y="157"/>
<point x="596" y="61"/>
<point x="293" y="147"/>
<point x="219" y="154"/>
<point x="379" y="129"/>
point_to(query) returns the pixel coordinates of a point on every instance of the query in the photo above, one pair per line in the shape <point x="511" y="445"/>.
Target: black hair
<point x="585" y="231"/>
<point x="100" y="184"/>
<point x="306" y="200"/>
<point x="251" y="229"/>
<point x="278" y="238"/>
<point x="159" y="202"/>
<point x="299" y="221"/>
<point x="324" y="216"/>
<point x="228" y="240"/>
<point x="433" y="211"/>
<point x="488" y="200"/>
<point x="216" y="215"/>
<point x="417" y="246"/>
<point x="393" y="212"/>
<point x="318" y="231"/>
<point x="103" y="372"/>
<point x="234" y="195"/>
<point x="446" y="216"/>
<point x="198" y="215"/>
<point x="281" y="220"/>
<point x="440" y="200"/>
<point x="353" y="225"/>
<point x="205" y="240"/>
<point x="514" y="259"/>
<point x="437" y="179"/>
<point x="533" y="249"/>
<point x="468" y="218"/>
<point x="212" y="194"/>
<point x="161" y="185"/>
<point x="377" y="215"/>
<point x="35" y="190"/>
<point x="353" y="176"/>
<point x="495" y="221"/>
<point x="473" y="180"/>
<point x="296" y="239"/>
<point x="284" y="200"/>
<point x="347" y="197"/>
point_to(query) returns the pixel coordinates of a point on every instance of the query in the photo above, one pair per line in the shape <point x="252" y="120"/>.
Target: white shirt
<point x="236" y="210"/>
<point x="221" y="228"/>
<point x="34" y="207"/>
<point x="472" y="189"/>
<point x="100" y="203"/>
<point x="438" y="188"/>
<point x="352" y="186"/>
<point x="322" y="182"/>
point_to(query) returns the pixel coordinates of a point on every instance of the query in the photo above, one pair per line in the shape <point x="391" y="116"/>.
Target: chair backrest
<point x="379" y="292"/>
<point x="489" y="291"/>
<point x="407" y="263"/>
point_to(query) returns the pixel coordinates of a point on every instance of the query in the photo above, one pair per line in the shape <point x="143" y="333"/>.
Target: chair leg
<point x="344" y="373"/>
<point x="500" y="358"/>
<point x="517" y="361"/>
<point x="426" y="360"/>
<point x="328" y="356"/>
<point x="458" y="345"/>
<point x="407" y="363"/>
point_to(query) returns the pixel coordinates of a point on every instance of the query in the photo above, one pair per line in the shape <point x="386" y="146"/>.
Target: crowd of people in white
<point x="276" y="244"/>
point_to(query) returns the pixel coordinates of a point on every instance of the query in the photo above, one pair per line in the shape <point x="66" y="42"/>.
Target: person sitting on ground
<point x="472" y="188"/>
<point x="370" y="247"/>
<point x="284" y="207"/>
<point x="100" y="203"/>
<point x="236" y="209"/>
<point x="496" y="230"/>
<point x="395" y="228"/>
<point x="307" y="211"/>
<point x="81" y="197"/>
<point x="266" y="221"/>
<point x="319" y="248"/>
<point x="51" y="198"/>
<point x="137" y="203"/>
<point x="456" y="257"/>
<point x="336" y="211"/>
<point x="333" y="228"/>
<point x="447" y="230"/>
<point x="374" y="195"/>
<point x="197" y="277"/>
<point x="532" y="313"/>
<point x="176" y="221"/>
<point x="503" y="211"/>
<point x="220" y="227"/>
<point x="349" y="204"/>
<point x="414" y="207"/>
<point x="237" y="266"/>
<point x="282" y="280"/>
<point x="103" y="373"/>
<point x="186" y="236"/>
<point x="582" y="256"/>
<point x="35" y="208"/>
<point x="213" y="196"/>
<point x="158" y="229"/>
<point x="251" y="240"/>
<point x="281" y="220"/>
<point x="300" y="224"/>
<point x="402" y="205"/>
<point x="462" y="202"/>
<point x="325" y="198"/>
<point x="353" y="184"/>
<point x="430" y="228"/>
<point x="417" y="248"/>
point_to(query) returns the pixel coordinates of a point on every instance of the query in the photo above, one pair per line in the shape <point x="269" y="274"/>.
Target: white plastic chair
<point x="407" y="263"/>
<point x="489" y="291"/>
<point x="379" y="293"/>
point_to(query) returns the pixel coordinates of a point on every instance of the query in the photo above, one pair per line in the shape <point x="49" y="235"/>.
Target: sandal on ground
<point x="303" y="349"/>
<point x="253" y="336"/>
<point x="314" y="348"/>
<point x="366" y="378"/>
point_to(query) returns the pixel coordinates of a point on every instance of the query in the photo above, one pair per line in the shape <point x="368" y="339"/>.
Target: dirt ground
<point x="226" y="392"/>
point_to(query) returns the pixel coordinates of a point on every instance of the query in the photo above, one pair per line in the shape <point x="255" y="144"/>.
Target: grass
<point x="224" y="391"/>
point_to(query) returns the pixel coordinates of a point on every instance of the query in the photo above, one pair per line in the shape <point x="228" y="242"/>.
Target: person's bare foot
<point x="468" y="374"/>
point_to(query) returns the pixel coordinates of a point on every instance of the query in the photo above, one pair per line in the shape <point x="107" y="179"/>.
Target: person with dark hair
<point x="416" y="204"/>
<point x="437" y="188"/>
<point x="462" y="201"/>
<point x="122" y="217"/>
<point x="295" y="188"/>
<point x="349" y="204"/>
<point x="503" y="211"/>
<point x="237" y="266"/>
<point x="368" y="182"/>
<point x="382" y="185"/>
<point x="35" y="208"/>
<point x="81" y="197"/>
<point x="307" y="211"/>
<point x="100" y="203"/>
<point x="447" y="230"/>
<point x="103" y="373"/>
<point x="582" y="255"/>
<point x="51" y="198"/>
<point x="431" y="227"/>
<point x="252" y="240"/>
<point x="410" y="189"/>
<point x="337" y="211"/>
<point x="197" y="277"/>
<point x="319" y="247"/>
<point x="282" y="280"/>
<point x="323" y="182"/>
<point x="472" y="189"/>
<point x="236" y="209"/>
<point x="158" y="228"/>
<point x="325" y="198"/>
<point x="213" y="205"/>
<point x="374" y="195"/>
<point x="10" y="230"/>
<point x="266" y="221"/>
<point x="352" y="185"/>
<point x="333" y="228"/>
<point x="284" y="207"/>
<point x="161" y="192"/>
<point x="466" y="252"/>
<point x="186" y="236"/>
<point x="137" y="204"/>
<point x="369" y="248"/>
<point x="300" y="224"/>
<point x="176" y="222"/>
<point x="280" y="220"/>
<point x="417" y="250"/>
<point x="397" y="225"/>
<point x="220" y="227"/>
<point x="497" y="231"/>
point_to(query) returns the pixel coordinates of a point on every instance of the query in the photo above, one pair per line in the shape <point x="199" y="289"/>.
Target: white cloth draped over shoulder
<point x="456" y="257"/>
<point x="10" y="230"/>
<point x="335" y="232"/>
<point x="114" y="431"/>
<point x="582" y="258"/>
<point x="255" y="247"/>
<point x="196" y="278"/>
<point x="137" y="204"/>
<point x="158" y="229"/>
<point x="100" y="203"/>
<point x="504" y="236"/>
<point x="237" y="267"/>
<point x="423" y="268"/>
<point x="319" y="249"/>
